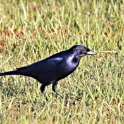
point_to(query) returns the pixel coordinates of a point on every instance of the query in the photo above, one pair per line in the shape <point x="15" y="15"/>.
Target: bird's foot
<point x="45" y="96"/>
<point x="59" y="95"/>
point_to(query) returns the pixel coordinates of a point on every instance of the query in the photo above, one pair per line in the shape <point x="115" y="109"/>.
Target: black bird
<point x="54" y="68"/>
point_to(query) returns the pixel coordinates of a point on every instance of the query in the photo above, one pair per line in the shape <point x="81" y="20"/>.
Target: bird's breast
<point x="72" y="62"/>
<point x="68" y="66"/>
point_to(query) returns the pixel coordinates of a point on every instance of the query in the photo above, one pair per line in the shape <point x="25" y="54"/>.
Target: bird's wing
<point x="40" y="66"/>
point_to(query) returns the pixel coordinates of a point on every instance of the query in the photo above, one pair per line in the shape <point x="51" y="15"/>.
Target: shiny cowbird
<point x="54" y="68"/>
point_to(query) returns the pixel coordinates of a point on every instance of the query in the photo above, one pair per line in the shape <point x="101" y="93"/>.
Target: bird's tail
<point x="15" y="72"/>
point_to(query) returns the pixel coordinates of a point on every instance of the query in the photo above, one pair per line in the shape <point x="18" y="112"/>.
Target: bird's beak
<point x="91" y="53"/>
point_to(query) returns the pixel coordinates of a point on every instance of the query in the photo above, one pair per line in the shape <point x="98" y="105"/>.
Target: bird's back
<point x="54" y="67"/>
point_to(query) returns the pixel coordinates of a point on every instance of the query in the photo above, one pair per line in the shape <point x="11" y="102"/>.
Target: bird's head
<point x="80" y="51"/>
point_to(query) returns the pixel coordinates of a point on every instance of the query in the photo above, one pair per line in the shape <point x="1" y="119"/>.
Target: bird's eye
<point x="83" y="51"/>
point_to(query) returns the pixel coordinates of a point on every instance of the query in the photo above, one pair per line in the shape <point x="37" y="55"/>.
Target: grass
<point x="33" y="30"/>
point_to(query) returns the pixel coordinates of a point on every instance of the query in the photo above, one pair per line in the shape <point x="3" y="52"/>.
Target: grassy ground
<point x="33" y="30"/>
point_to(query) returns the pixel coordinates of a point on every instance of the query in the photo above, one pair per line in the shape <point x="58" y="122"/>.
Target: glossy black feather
<point x="55" y="67"/>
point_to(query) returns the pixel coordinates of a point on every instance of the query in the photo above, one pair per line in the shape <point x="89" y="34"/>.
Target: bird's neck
<point x="76" y="60"/>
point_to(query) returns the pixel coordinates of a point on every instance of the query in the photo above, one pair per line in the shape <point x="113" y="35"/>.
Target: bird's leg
<point x="42" y="89"/>
<point x="54" y="89"/>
